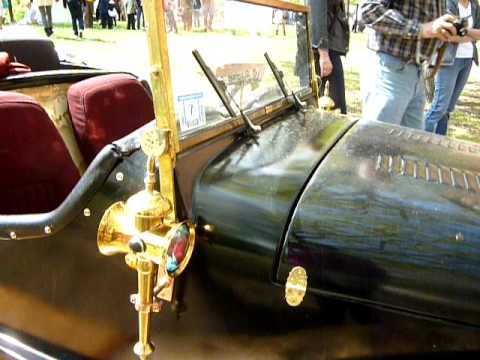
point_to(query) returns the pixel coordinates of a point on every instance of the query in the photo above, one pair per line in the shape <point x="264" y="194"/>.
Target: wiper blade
<point x="299" y="104"/>
<point x="223" y="93"/>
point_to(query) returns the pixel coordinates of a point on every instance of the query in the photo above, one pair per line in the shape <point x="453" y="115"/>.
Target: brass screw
<point x="86" y="212"/>
<point x="208" y="228"/>
<point x="48" y="230"/>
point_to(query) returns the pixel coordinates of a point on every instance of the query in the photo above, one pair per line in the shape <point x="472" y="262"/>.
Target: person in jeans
<point x="45" y="8"/>
<point x="140" y="15"/>
<point x="76" y="13"/>
<point x="403" y="38"/>
<point x="455" y="69"/>
<point x="330" y="41"/>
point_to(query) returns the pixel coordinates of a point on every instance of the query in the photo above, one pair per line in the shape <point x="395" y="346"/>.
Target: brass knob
<point x="296" y="286"/>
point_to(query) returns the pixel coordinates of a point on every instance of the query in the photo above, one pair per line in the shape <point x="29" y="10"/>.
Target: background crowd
<point x="193" y="14"/>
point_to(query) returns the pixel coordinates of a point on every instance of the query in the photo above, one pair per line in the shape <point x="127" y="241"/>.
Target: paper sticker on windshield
<point x="191" y="111"/>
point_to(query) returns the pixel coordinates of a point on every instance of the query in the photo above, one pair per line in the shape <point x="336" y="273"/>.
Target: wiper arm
<point x="223" y="93"/>
<point x="299" y="104"/>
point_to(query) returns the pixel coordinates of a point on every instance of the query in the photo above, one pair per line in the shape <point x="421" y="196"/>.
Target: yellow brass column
<point x="162" y="94"/>
<point x="143" y="303"/>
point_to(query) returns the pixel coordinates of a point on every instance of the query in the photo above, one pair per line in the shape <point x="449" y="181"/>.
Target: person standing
<point x="330" y="41"/>
<point x="140" y="15"/>
<point x="112" y="12"/>
<point x="456" y="65"/>
<point x="169" y="7"/>
<point x="89" y="14"/>
<point x="76" y="13"/>
<point x="197" y="10"/>
<point x="45" y="8"/>
<point x="105" y="19"/>
<point x="208" y="14"/>
<point x="402" y="38"/>
<point x="131" y="9"/>
<point x="187" y="12"/>
<point x="278" y="20"/>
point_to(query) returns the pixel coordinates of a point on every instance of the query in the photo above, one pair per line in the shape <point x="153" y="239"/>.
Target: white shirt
<point x="465" y="50"/>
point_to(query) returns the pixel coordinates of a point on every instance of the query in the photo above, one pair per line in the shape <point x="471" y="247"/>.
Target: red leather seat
<point x="36" y="170"/>
<point x="106" y="108"/>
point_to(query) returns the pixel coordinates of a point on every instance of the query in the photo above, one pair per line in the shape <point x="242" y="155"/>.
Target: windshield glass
<point x="232" y="38"/>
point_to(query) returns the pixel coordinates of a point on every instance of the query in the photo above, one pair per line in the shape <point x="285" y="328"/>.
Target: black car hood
<point x="246" y="195"/>
<point x="392" y="216"/>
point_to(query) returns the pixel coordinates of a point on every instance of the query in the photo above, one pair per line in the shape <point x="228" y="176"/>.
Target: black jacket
<point x="330" y="28"/>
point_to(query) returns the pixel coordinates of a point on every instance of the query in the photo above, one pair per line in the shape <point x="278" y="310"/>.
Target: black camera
<point x="461" y="25"/>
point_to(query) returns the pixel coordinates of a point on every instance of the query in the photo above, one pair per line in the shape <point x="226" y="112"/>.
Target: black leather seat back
<point x="38" y="54"/>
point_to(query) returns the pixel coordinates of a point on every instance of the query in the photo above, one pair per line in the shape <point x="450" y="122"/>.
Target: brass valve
<point x="325" y="102"/>
<point x="159" y="250"/>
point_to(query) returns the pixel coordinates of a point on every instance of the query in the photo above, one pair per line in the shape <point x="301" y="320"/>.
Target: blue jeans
<point x="396" y="92"/>
<point x="449" y="83"/>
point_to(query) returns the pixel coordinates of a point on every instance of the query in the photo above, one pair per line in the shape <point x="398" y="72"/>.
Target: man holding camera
<point x="403" y="34"/>
<point x="455" y="65"/>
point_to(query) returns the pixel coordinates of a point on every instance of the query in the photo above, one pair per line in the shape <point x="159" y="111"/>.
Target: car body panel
<point x="391" y="216"/>
<point x="245" y="196"/>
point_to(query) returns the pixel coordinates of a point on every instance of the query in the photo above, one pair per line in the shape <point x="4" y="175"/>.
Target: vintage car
<point x="310" y="235"/>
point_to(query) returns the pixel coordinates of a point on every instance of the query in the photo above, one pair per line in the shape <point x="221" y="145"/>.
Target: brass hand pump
<point x="155" y="247"/>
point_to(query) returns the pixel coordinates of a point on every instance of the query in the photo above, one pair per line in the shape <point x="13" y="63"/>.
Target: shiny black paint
<point x="65" y="275"/>
<point x="368" y="230"/>
<point x="246" y="194"/>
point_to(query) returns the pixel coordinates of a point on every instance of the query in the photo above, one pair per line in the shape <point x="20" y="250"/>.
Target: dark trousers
<point x="106" y="20"/>
<point x="131" y="21"/>
<point x="77" y="16"/>
<point x="140" y="16"/>
<point x="336" y="80"/>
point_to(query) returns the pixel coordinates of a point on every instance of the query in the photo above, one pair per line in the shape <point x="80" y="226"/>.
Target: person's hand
<point x="326" y="66"/>
<point x="441" y="28"/>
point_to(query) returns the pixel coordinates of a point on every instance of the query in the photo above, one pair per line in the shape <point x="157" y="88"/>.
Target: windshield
<point x="233" y="47"/>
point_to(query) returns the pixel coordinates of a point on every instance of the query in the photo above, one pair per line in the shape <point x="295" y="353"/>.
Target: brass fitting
<point x="158" y="250"/>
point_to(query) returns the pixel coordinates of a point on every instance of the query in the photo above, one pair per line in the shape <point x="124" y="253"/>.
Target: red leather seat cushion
<point x="37" y="172"/>
<point x="107" y="108"/>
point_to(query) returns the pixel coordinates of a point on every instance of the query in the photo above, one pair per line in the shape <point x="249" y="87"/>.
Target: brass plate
<point x="296" y="286"/>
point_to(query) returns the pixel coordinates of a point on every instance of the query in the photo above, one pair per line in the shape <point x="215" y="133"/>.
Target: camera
<point x="461" y="25"/>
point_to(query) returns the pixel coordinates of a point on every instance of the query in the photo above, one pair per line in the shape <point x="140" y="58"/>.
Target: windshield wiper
<point x="299" y="104"/>
<point x="223" y="93"/>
